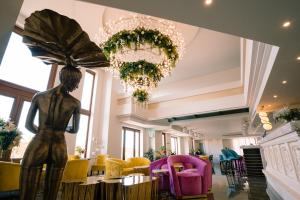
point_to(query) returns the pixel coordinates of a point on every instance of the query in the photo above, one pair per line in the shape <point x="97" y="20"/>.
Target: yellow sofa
<point x="76" y="170"/>
<point x="9" y="176"/>
<point x="116" y="167"/>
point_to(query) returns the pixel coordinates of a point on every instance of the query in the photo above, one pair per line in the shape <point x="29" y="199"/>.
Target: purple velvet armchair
<point x="193" y="180"/>
<point x="164" y="183"/>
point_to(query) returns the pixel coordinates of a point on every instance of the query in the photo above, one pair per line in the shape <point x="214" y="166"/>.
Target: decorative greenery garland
<point x="130" y="71"/>
<point x="139" y="36"/>
<point x="141" y="72"/>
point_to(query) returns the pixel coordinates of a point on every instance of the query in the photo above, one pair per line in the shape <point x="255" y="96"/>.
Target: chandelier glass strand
<point x="142" y="50"/>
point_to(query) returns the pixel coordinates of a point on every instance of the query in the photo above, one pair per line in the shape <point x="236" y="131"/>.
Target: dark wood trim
<point x="165" y="139"/>
<point x="136" y="133"/>
<point x="124" y="139"/>
<point x="11" y="89"/>
<point x="212" y="114"/>
<point x="18" y="30"/>
<point x="52" y="76"/>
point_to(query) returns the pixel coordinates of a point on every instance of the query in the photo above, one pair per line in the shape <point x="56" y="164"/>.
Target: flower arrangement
<point x="10" y="135"/>
<point x="79" y="150"/>
<point x="287" y="114"/>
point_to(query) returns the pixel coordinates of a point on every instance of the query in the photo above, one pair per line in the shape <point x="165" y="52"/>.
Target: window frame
<point x="22" y="94"/>
<point x="135" y="131"/>
<point x="89" y="111"/>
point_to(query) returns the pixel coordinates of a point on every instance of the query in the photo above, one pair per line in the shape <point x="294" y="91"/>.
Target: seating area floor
<point x="251" y="189"/>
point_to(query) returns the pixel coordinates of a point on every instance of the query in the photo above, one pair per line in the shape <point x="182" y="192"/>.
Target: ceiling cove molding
<point x="258" y="63"/>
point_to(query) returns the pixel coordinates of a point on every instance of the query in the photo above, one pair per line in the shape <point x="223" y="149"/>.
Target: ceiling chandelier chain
<point x="142" y="50"/>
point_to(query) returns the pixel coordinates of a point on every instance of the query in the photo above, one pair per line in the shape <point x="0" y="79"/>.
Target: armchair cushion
<point x="185" y="180"/>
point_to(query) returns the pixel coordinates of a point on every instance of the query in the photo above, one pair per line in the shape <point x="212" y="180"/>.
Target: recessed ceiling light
<point x="298" y="58"/>
<point x="275" y="96"/>
<point x="286" y="24"/>
<point x="284" y="82"/>
<point x="208" y="2"/>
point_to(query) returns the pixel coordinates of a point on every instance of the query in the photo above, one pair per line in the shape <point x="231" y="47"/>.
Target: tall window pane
<point x="82" y="132"/>
<point x="18" y="151"/>
<point x="174" y="145"/>
<point x="87" y="91"/>
<point x="6" y="104"/>
<point x="131" y="143"/>
<point x="19" y="67"/>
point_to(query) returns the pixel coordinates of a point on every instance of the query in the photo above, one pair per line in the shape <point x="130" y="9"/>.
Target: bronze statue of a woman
<point x="56" y="106"/>
<point x="54" y="38"/>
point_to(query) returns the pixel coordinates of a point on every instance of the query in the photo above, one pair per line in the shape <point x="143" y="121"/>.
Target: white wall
<point x="213" y="147"/>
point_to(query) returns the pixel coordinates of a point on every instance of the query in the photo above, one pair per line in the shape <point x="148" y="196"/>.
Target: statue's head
<point x="70" y="77"/>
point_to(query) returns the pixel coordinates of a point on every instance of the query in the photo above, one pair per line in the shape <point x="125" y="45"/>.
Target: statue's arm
<point x="76" y="119"/>
<point x="29" y="124"/>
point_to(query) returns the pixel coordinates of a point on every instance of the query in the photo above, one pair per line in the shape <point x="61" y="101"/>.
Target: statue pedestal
<point x="281" y="149"/>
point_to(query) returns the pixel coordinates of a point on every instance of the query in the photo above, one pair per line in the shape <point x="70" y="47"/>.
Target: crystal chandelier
<point x="141" y="50"/>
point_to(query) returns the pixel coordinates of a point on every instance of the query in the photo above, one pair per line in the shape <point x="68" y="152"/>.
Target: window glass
<point x="163" y="137"/>
<point x="19" y="67"/>
<point x="174" y="145"/>
<point x="82" y="132"/>
<point x="129" y="144"/>
<point x="137" y="144"/>
<point x="18" y="151"/>
<point x="6" y="104"/>
<point x="87" y="91"/>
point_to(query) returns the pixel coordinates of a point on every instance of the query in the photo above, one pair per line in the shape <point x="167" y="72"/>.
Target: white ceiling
<point x="255" y="19"/>
<point x="212" y="61"/>
<point x="208" y="53"/>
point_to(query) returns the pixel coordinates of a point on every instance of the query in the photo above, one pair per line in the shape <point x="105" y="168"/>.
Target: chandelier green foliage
<point x="139" y="36"/>
<point x="141" y="75"/>
<point x="133" y="71"/>
<point x="141" y="95"/>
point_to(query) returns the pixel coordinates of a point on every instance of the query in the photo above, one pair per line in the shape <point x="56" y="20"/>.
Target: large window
<point x="163" y="138"/>
<point x="21" y="76"/>
<point x="83" y="135"/>
<point x="174" y="145"/>
<point x="131" y="142"/>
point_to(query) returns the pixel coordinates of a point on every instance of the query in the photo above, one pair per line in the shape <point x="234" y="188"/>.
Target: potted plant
<point x="10" y="137"/>
<point x="79" y="151"/>
<point x="287" y="114"/>
<point x="149" y="154"/>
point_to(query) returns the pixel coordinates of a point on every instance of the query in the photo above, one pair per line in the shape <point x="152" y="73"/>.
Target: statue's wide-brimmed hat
<point x="55" y="38"/>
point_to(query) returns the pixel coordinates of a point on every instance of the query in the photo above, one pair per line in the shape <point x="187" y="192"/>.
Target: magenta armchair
<point x="192" y="180"/>
<point x="208" y="173"/>
<point x="164" y="183"/>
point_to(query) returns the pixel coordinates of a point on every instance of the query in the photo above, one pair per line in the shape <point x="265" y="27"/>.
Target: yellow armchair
<point x="99" y="166"/>
<point x="76" y="171"/>
<point x="116" y="167"/>
<point x="73" y="157"/>
<point x="9" y="176"/>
